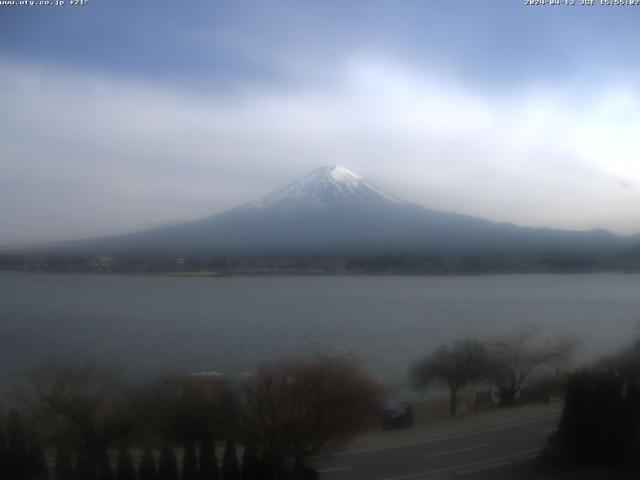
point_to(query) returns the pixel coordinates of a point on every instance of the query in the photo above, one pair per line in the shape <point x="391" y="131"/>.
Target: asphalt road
<point x="469" y="452"/>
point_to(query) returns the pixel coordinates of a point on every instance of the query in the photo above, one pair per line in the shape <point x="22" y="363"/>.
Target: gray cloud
<point x="86" y="155"/>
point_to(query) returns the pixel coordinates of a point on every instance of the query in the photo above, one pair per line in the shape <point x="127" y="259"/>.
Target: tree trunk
<point x="273" y="467"/>
<point x="297" y="468"/>
<point x="507" y="396"/>
<point x="453" y="400"/>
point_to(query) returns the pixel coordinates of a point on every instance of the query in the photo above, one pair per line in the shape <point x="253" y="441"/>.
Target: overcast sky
<point x="119" y="116"/>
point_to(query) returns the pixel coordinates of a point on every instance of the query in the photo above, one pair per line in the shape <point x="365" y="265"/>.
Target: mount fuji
<point x="334" y="211"/>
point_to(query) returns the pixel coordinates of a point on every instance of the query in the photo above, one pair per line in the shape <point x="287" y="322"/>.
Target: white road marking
<point x="457" y="450"/>
<point x="334" y="469"/>
<point x="470" y="467"/>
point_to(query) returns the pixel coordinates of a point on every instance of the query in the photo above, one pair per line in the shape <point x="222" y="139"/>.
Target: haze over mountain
<point x="334" y="211"/>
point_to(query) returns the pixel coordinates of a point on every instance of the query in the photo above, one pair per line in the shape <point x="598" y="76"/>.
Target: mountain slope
<point x="333" y="211"/>
<point x="326" y="187"/>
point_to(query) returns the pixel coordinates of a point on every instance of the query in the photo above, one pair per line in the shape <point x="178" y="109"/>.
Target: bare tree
<point x="518" y="356"/>
<point x="456" y="366"/>
<point x="194" y="405"/>
<point x="88" y="407"/>
<point x="294" y="409"/>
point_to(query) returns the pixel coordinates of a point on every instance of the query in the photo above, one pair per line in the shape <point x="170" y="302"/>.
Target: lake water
<point x="154" y="325"/>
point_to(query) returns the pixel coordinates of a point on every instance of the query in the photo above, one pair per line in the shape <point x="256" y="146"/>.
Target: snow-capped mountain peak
<point x="339" y="173"/>
<point x="327" y="186"/>
<point x="334" y="211"/>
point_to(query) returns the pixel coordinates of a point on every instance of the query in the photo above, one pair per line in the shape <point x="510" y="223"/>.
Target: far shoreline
<point x="256" y="274"/>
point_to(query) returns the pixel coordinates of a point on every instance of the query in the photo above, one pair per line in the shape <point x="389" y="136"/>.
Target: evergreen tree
<point x="230" y="467"/>
<point x="147" y="469"/>
<point x="4" y="454"/>
<point x="270" y="468"/>
<point x="18" y="453"/>
<point x="105" y="472"/>
<point x="63" y="468"/>
<point x="209" y="469"/>
<point x="308" y="473"/>
<point x="600" y="421"/>
<point x="167" y="464"/>
<point x="250" y="464"/>
<point x="125" y="469"/>
<point x="189" y="462"/>
<point x="38" y="469"/>
<point x="85" y="469"/>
